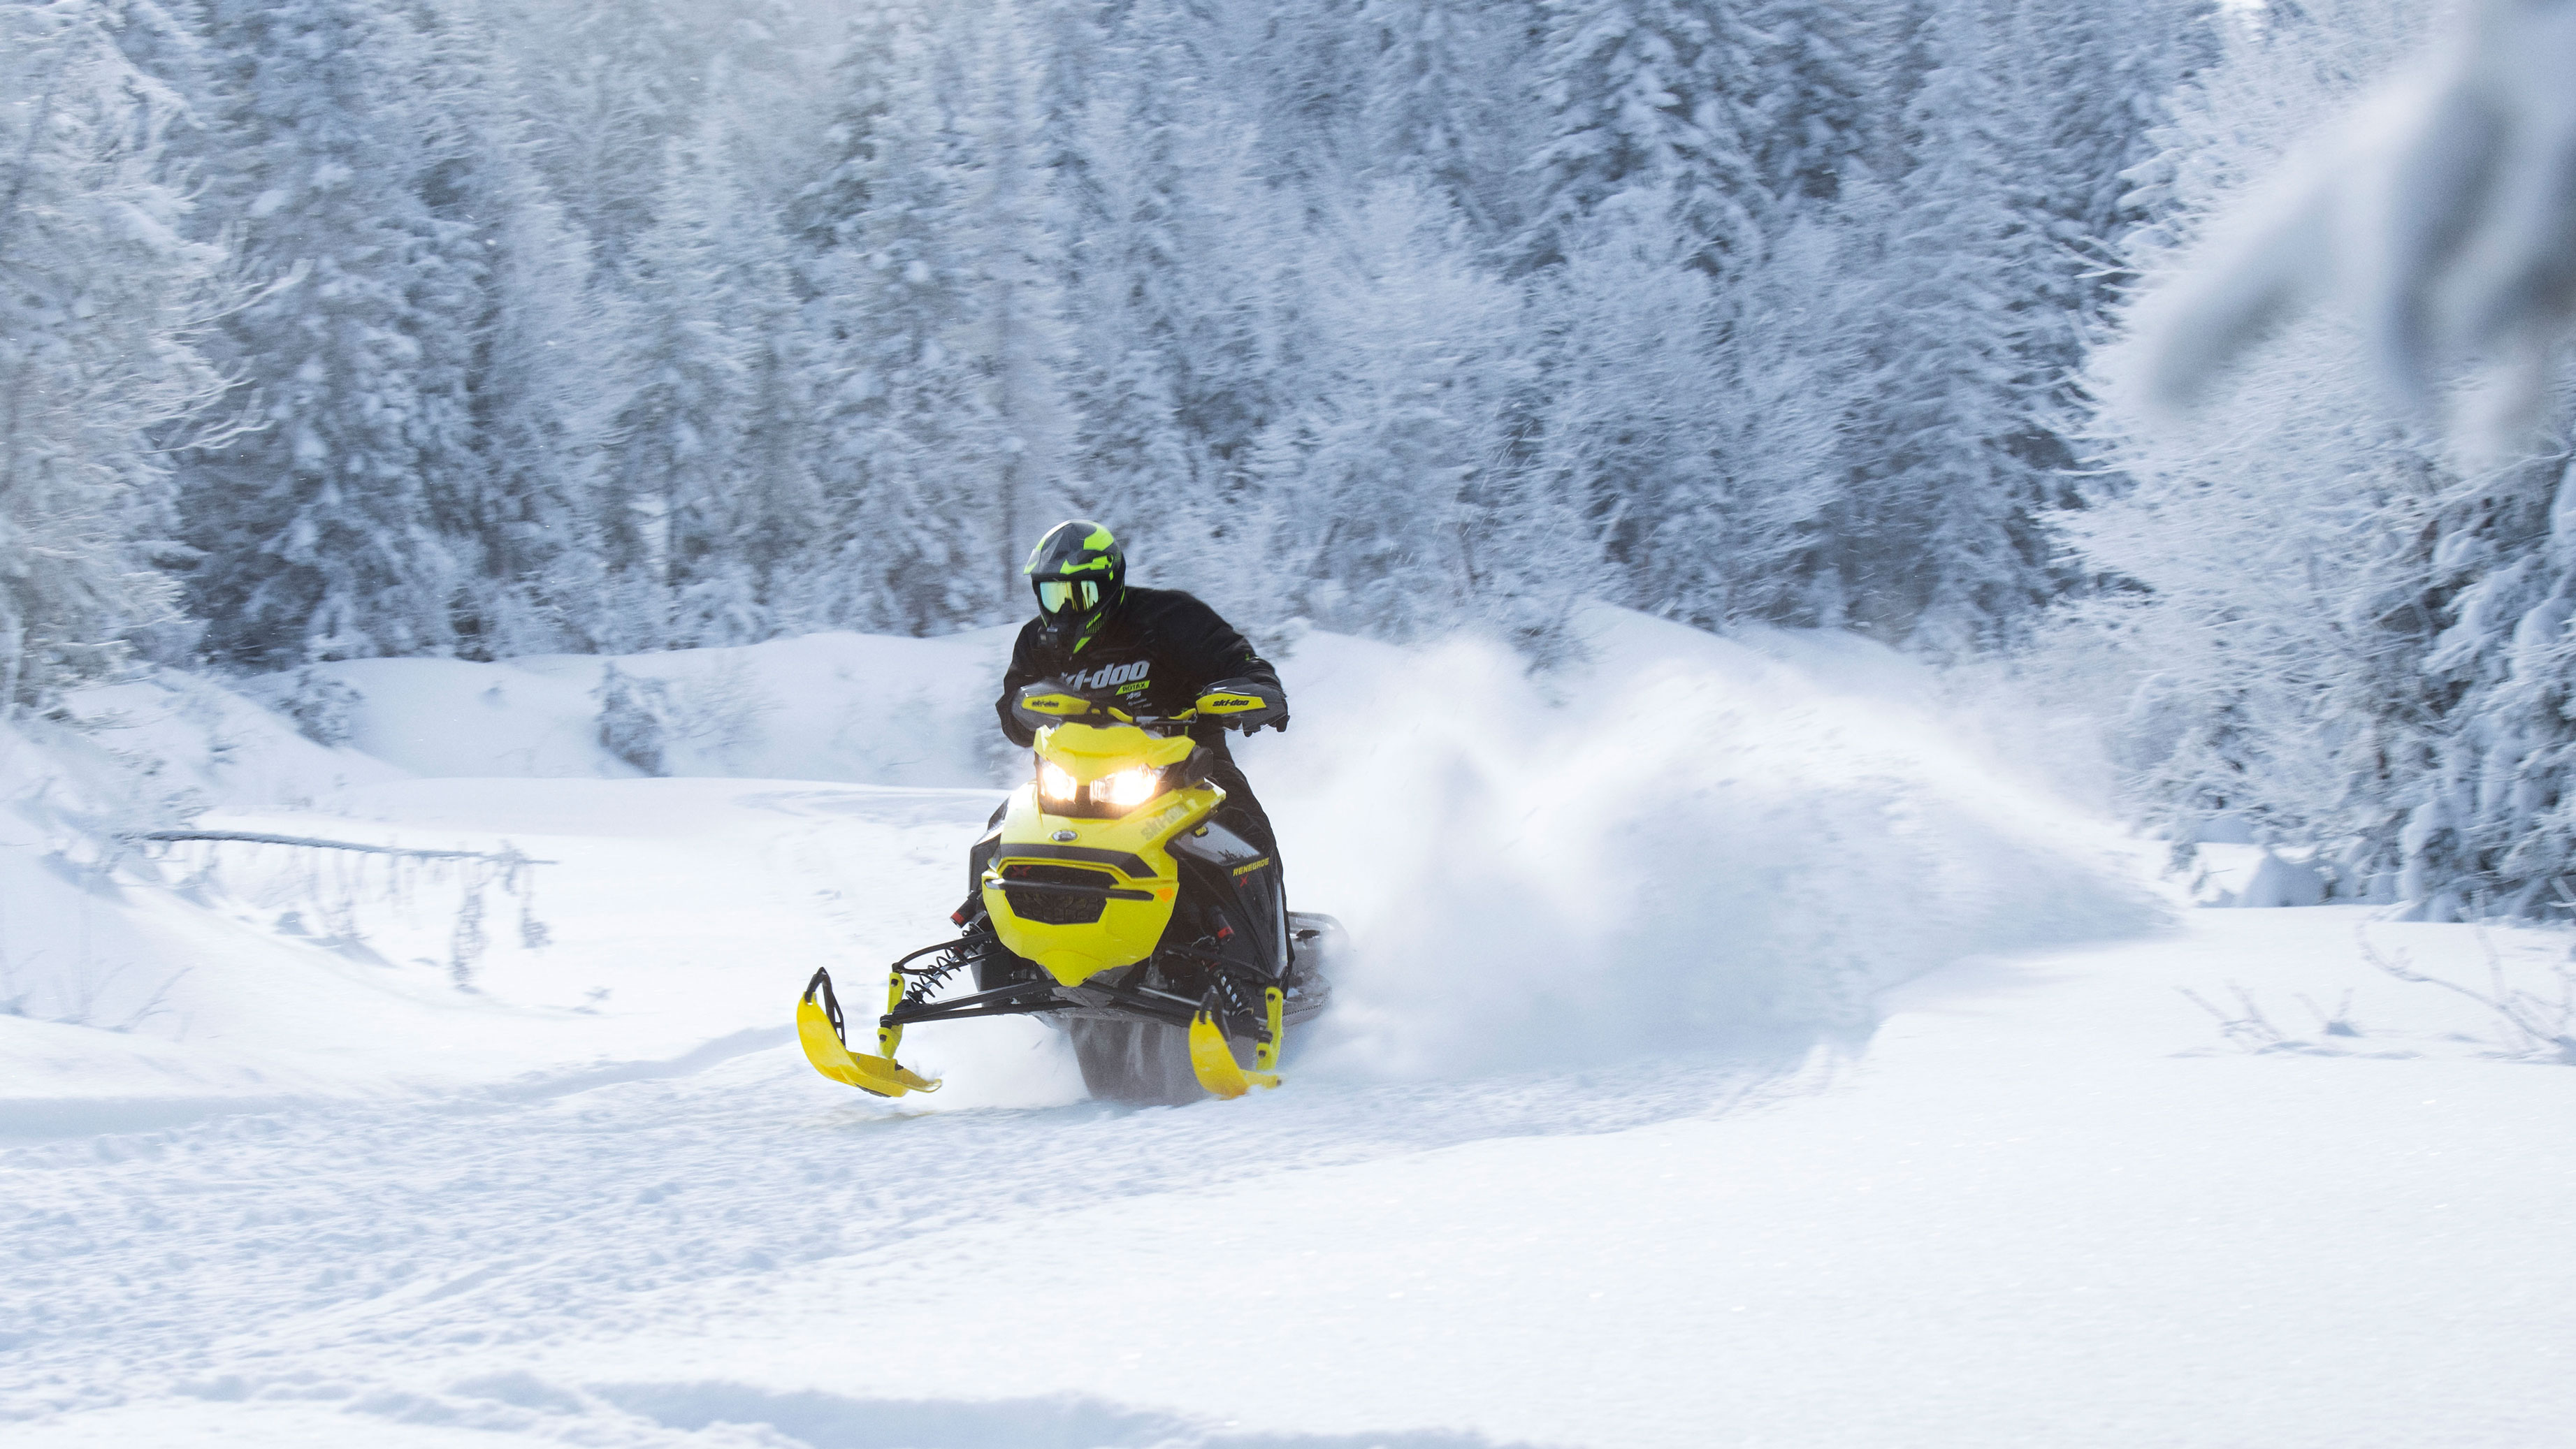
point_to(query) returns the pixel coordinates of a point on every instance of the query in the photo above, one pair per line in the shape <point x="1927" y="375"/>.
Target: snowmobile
<point x="1108" y="900"/>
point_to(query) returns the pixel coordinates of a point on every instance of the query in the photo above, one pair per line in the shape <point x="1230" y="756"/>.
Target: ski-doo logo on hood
<point x="1110" y="676"/>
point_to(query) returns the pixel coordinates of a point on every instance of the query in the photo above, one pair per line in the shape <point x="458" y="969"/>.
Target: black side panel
<point x="1264" y="913"/>
<point x="979" y="858"/>
<point x="1230" y="894"/>
<point x="1215" y="845"/>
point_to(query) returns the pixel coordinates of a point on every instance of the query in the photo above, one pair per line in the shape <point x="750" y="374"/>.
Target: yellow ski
<point x="818" y="1030"/>
<point x="1212" y="1058"/>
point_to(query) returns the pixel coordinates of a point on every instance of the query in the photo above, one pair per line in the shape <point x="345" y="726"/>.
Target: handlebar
<point x="1241" y="705"/>
<point x="1148" y="721"/>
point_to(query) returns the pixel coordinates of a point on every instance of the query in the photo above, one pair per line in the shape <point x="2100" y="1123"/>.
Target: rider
<point x="1147" y="651"/>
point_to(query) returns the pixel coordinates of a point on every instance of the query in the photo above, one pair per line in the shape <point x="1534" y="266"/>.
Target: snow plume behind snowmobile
<point x="1109" y="900"/>
<point x="1678" y="846"/>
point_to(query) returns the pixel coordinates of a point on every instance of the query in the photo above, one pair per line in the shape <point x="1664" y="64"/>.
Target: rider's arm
<point x="1024" y="670"/>
<point x="1213" y="652"/>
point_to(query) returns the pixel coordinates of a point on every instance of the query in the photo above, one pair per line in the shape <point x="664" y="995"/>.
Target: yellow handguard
<point x="1243" y="704"/>
<point x="818" y="1030"/>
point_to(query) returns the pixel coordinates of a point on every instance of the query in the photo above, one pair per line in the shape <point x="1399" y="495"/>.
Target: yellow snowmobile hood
<point x="1050" y="871"/>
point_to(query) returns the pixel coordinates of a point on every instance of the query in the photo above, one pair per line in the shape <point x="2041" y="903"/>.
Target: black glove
<point x="1244" y="704"/>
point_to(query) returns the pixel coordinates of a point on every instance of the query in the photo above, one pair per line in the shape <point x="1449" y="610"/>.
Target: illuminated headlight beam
<point x="1128" y="788"/>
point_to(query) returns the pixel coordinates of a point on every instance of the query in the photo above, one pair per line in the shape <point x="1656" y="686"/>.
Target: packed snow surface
<point x="1738" y="1052"/>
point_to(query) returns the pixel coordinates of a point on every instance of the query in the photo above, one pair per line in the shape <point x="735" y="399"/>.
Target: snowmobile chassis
<point x="1227" y="1001"/>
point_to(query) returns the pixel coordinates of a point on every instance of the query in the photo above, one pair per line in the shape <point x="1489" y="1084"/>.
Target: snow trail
<point x="168" y="1256"/>
<point x="2050" y="1204"/>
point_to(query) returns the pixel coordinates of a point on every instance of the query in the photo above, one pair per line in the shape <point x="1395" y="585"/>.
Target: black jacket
<point x="1161" y="646"/>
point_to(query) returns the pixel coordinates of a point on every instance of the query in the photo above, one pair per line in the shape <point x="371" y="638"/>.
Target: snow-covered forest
<point x="659" y="324"/>
<point x="352" y="328"/>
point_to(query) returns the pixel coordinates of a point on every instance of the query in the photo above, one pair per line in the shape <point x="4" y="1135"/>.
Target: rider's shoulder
<point x="1166" y="604"/>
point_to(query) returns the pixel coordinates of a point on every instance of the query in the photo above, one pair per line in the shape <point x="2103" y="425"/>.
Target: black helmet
<point x="1080" y="575"/>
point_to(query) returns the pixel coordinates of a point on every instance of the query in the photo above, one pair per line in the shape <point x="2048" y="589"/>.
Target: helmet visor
<point x="1056" y="595"/>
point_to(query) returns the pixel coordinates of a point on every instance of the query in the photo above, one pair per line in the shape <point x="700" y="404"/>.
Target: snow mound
<point x="850" y="707"/>
<point x="125" y="759"/>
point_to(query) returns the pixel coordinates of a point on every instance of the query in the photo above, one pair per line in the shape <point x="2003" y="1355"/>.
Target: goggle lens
<point x="1055" y="594"/>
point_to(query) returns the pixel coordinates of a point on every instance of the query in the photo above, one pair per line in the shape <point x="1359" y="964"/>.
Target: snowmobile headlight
<point x="1055" y="783"/>
<point x="1128" y="788"/>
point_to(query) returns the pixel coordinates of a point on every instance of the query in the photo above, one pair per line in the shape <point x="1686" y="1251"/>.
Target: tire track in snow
<point x="242" y="1246"/>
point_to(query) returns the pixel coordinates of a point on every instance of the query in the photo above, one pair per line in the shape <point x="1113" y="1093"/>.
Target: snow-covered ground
<point x="1741" y="1053"/>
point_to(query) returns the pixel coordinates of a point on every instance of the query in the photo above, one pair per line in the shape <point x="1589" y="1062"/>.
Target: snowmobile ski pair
<point x="1109" y="901"/>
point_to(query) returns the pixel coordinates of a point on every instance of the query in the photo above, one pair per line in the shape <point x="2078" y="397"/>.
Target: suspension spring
<point x="946" y="960"/>
<point x="1230" y="998"/>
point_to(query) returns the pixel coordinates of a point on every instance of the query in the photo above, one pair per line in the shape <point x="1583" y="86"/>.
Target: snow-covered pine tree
<point x="775" y="507"/>
<point x="2279" y="550"/>
<point x="1017" y="215"/>
<point x="1788" y="372"/>
<point x="1701" y="425"/>
<point x="742" y="565"/>
<point x="321" y="532"/>
<point x="1389" y="510"/>
<point x="667" y="472"/>
<point x="526" y="355"/>
<point x="1895" y="43"/>
<point x="1624" y="427"/>
<point x="913" y="446"/>
<point x="1064" y="41"/>
<point x="1649" y="98"/>
<point x="103" y="295"/>
<point x="1939" y="539"/>
<point x="541" y="419"/>
<point x="2077" y="88"/>
<point x="1448" y="99"/>
<point x="620" y="82"/>
<point x="2492" y="825"/>
<point x="1809" y="119"/>
<point x="466" y="141"/>
<point x="1295" y="76"/>
<point x="1180" y="255"/>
